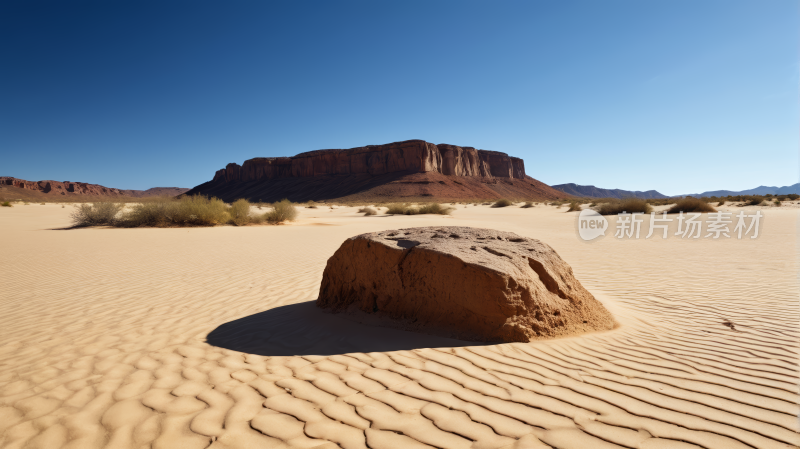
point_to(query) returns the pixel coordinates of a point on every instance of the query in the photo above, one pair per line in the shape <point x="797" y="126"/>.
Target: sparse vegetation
<point x="502" y="203"/>
<point x="629" y="205"/>
<point x="311" y="205"/>
<point x="240" y="212"/>
<point x="574" y="207"/>
<point x="690" y="204"/>
<point x="96" y="214"/>
<point x="368" y="211"/>
<point x="282" y="211"/>
<point x="721" y="203"/>
<point x="527" y="205"/>
<point x="778" y="203"/>
<point x="5" y="204"/>
<point x="434" y="208"/>
<point x="186" y="211"/>
<point x="408" y="209"/>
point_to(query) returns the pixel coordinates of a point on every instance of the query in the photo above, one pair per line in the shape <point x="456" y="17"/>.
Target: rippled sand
<point x="192" y="338"/>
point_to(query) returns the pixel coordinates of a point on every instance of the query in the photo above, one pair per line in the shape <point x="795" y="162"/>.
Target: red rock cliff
<point x="413" y="156"/>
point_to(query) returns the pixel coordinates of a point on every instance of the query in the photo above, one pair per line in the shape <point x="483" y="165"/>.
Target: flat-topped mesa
<point x="411" y="156"/>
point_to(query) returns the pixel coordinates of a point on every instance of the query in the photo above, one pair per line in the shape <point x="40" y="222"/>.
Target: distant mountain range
<point x="597" y="192"/>
<point x="15" y="188"/>
<point x="760" y="190"/>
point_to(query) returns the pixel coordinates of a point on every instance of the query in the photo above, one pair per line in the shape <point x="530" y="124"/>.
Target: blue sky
<point x="677" y="96"/>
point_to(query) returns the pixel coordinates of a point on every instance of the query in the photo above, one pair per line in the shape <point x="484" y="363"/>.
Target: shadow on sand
<point x="303" y="329"/>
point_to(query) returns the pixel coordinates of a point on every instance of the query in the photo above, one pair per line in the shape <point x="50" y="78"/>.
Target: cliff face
<point x="411" y="156"/>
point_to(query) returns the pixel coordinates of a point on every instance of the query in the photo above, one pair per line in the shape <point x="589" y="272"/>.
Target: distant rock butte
<point x="412" y="156"/>
<point x="468" y="283"/>
<point x="70" y="188"/>
<point x="409" y="169"/>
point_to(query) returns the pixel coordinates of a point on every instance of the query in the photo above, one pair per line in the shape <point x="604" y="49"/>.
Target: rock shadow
<point x="303" y="329"/>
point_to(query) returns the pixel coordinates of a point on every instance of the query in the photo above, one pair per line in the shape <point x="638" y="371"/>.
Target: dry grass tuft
<point x="502" y="203"/>
<point x="282" y="211"/>
<point x="691" y="204"/>
<point x="574" y="207"/>
<point x="368" y="211"/>
<point x="6" y="204"/>
<point x="629" y="205"/>
<point x="527" y="205"/>
<point x="721" y="203"/>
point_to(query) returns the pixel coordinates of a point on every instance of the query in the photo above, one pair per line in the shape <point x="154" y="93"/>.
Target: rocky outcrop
<point x="411" y="156"/>
<point x="467" y="283"/>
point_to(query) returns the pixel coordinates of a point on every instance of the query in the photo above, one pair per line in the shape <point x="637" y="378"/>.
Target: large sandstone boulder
<point x="468" y="283"/>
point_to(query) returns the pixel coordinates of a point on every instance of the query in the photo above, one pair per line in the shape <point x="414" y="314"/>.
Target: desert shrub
<point x="240" y="212"/>
<point x="690" y="204"/>
<point x="754" y="202"/>
<point x="527" y="205"/>
<point x="187" y="211"/>
<point x="149" y="214"/>
<point x="96" y="214"/>
<point x="311" y="205"/>
<point x="434" y="208"/>
<point x="281" y="211"/>
<point x="629" y="205"/>
<point x="398" y="209"/>
<point x="574" y="207"/>
<point x="5" y="204"/>
<point x="793" y="196"/>
<point x="778" y="203"/>
<point x="502" y="203"/>
<point x="368" y="211"/>
<point x="721" y="203"/>
<point x="200" y="210"/>
<point x="407" y="209"/>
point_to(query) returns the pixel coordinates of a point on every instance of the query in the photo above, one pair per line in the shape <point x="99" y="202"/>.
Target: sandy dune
<point x="206" y="337"/>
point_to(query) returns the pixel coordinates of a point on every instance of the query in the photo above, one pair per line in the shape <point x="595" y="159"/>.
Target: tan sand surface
<point x="208" y="337"/>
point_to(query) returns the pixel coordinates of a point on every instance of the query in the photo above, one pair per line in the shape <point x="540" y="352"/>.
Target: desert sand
<point x="208" y="337"/>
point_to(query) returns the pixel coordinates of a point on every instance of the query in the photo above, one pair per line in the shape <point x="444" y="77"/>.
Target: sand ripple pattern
<point x="103" y="338"/>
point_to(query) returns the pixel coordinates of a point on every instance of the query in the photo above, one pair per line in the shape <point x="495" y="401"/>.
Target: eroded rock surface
<point x="468" y="283"/>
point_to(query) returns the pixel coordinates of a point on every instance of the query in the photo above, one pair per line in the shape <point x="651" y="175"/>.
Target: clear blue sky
<point x="678" y="96"/>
